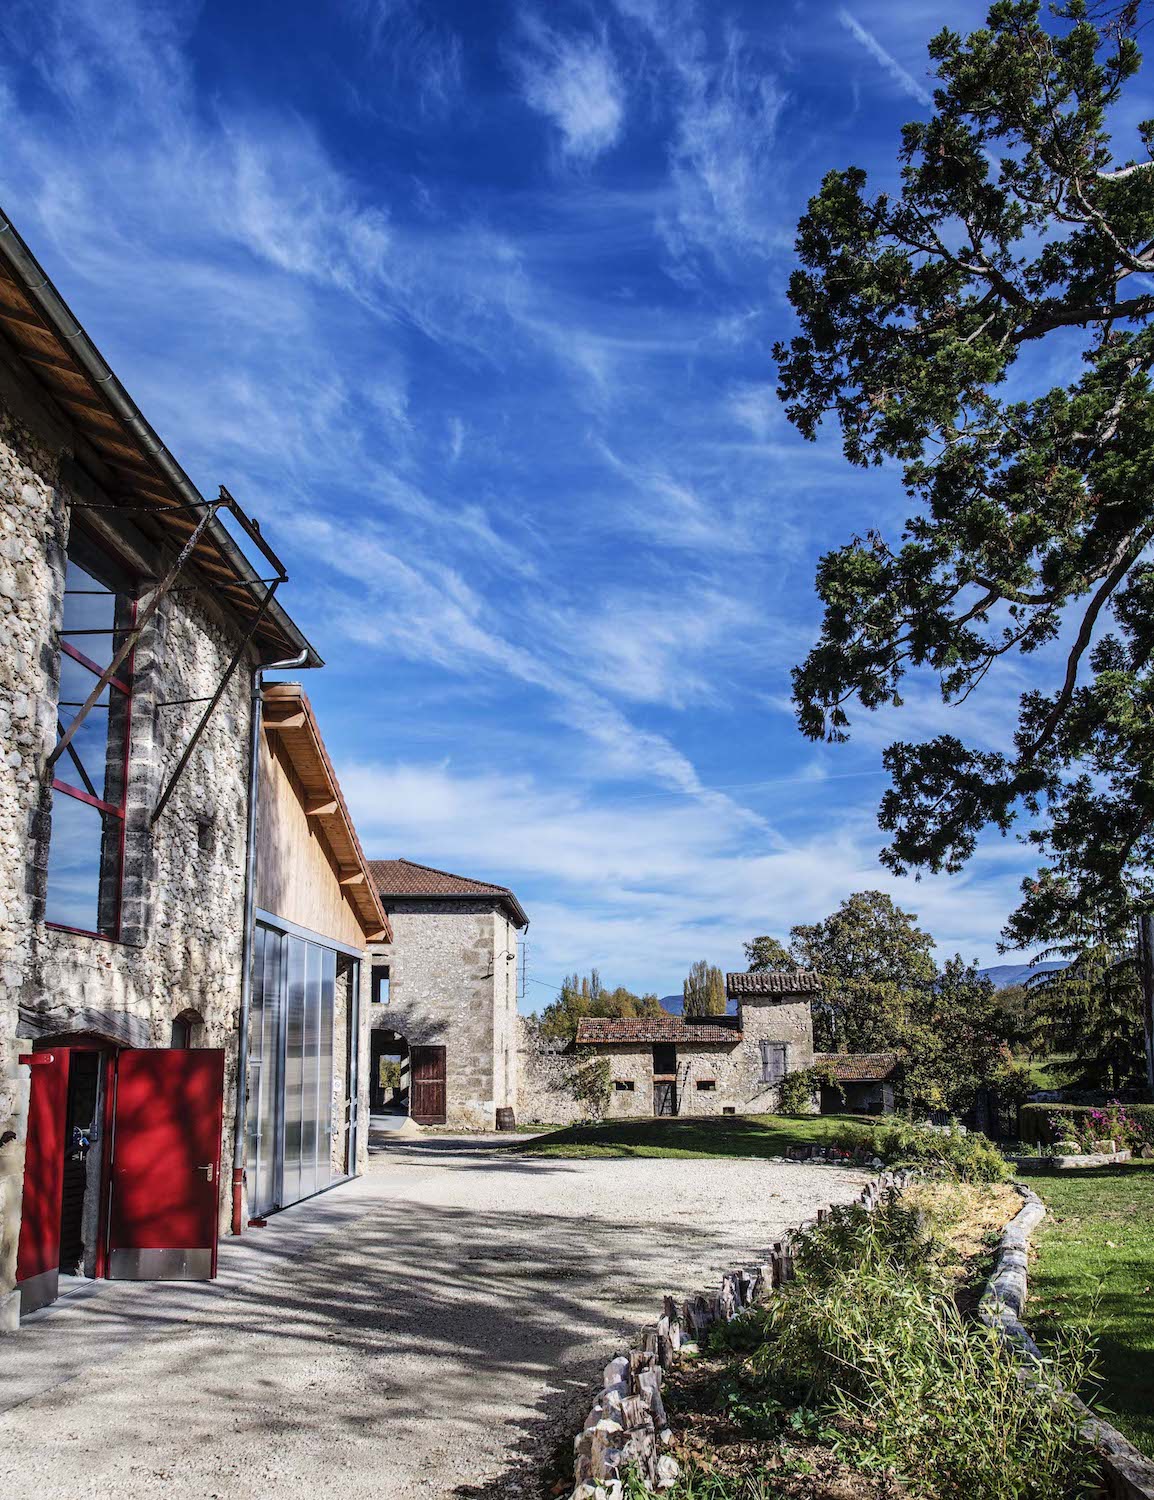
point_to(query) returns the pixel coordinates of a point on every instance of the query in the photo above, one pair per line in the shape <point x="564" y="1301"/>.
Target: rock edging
<point x="1129" y="1474"/>
<point x="626" y="1426"/>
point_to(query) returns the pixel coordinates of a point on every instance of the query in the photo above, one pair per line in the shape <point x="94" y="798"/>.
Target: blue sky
<point x="471" y="304"/>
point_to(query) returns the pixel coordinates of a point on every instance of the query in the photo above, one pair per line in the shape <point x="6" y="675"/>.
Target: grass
<point x="1096" y="1263"/>
<point x="725" y="1135"/>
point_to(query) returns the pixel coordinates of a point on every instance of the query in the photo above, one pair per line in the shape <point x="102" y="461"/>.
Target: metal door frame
<point x="283" y="929"/>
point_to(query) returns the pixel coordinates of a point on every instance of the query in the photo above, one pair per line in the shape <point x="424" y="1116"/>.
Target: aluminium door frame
<point x="284" y="928"/>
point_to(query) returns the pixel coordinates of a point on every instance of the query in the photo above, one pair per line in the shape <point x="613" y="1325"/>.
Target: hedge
<point x="1034" y="1121"/>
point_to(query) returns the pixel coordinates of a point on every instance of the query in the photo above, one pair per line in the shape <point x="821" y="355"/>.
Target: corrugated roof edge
<point x="37" y="283"/>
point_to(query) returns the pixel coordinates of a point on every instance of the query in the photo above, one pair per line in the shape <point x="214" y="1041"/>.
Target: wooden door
<point x="427" y="1081"/>
<point x="38" y="1249"/>
<point x="664" y="1096"/>
<point x="166" y="1164"/>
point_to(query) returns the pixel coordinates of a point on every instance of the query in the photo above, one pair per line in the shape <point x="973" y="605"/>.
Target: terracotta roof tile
<point x="858" y="1067"/>
<point x="776" y="982"/>
<point x="404" y="877"/>
<point x="607" y="1029"/>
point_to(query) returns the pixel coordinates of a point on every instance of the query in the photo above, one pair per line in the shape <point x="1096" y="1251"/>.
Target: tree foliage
<point x="1091" y="1011"/>
<point x="703" y="991"/>
<point x="869" y="954"/>
<point x="765" y="955"/>
<point x="882" y="991"/>
<point x="1020" y="241"/>
<point x="581" y="997"/>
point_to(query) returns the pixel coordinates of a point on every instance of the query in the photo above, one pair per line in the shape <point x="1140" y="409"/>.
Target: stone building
<point x="862" y="1082"/>
<point x="134" y="630"/>
<point x="712" y="1065"/>
<point x="444" y="1033"/>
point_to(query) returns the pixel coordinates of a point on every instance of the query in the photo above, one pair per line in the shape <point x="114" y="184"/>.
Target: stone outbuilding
<point x="443" y="1008"/>
<point x="709" y="1065"/>
<point x="863" y="1082"/>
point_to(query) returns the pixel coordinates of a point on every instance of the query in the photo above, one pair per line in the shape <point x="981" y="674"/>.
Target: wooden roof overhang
<point x="289" y="715"/>
<point x="125" y="457"/>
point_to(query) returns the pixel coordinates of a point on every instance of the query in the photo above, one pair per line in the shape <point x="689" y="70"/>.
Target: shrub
<point x="966" y="1156"/>
<point x="800" y="1090"/>
<point x="869" y="1336"/>
<point x="1131" y="1125"/>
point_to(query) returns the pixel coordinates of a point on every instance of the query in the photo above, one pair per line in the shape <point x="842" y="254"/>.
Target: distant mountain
<point x="1004" y="975"/>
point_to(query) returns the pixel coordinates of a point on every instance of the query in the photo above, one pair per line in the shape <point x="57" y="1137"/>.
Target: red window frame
<point x="117" y="810"/>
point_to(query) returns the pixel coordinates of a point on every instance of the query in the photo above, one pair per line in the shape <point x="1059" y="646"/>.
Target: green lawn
<point x="726" y="1135"/>
<point x="1098" y="1239"/>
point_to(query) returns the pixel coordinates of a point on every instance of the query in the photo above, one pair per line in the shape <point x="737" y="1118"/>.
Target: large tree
<point x="986" y="325"/>
<point x="871" y="956"/>
<point x="703" y="991"/>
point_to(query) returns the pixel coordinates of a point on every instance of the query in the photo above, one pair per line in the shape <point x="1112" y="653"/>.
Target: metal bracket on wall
<point x="202" y="723"/>
<point x="143" y="615"/>
<point x="148" y="609"/>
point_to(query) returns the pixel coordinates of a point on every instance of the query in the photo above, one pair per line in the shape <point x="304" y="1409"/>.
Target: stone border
<point x="1068" y="1163"/>
<point x="1129" y="1474"/>
<point x="626" y="1426"/>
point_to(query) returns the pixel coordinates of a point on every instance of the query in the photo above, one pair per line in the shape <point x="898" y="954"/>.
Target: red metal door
<point x="427" y="1080"/>
<point x="166" y="1164"/>
<point x="38" y="1250"/>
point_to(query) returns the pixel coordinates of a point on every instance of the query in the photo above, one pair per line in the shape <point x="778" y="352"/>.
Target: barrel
<point x="506" y="1120"/>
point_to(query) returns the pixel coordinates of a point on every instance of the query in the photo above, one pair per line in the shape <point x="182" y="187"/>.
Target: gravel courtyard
<point x="426" y="1331"/>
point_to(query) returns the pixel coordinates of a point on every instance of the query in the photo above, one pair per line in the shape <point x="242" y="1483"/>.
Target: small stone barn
<point x="864" y="1082"/>
<point x="443" y="1011"/>
<point x="709" y="1065"/>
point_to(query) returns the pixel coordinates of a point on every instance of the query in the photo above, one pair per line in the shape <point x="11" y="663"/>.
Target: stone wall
<point x="542" y="1098"/>
<point x="451" y="986"/>
<point x="180" y="939"/>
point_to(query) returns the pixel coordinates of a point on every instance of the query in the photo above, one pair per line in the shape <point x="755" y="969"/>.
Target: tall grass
<point x="870" y="1335"/>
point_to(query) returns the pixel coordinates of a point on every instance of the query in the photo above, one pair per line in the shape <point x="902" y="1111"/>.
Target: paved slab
<point x="425" y="1331"/>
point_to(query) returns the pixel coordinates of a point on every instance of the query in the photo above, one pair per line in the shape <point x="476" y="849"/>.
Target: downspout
<point x="240" y="1122"/>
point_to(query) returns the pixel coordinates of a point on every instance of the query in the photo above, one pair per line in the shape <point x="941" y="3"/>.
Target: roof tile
<point x="607" y="1029"/>
<point x="775" y="982"/>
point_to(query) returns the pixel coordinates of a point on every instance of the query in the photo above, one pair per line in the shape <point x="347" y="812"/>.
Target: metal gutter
<point x="56" y="312"/>
<point x="240" y="1116"/>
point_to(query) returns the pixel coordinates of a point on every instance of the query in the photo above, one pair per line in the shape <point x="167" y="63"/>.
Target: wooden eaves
<point x="289" y="715"/>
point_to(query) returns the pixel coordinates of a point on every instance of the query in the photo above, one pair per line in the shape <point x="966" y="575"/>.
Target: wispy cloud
<point x="904" y="79"/>
<point x="573" y="80"/>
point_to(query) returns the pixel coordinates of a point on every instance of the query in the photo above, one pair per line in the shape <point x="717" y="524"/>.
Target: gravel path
<point x="429" y="1330"/>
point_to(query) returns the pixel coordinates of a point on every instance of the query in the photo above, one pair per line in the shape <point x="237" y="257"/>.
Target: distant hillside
<point x="1007" y="974"/>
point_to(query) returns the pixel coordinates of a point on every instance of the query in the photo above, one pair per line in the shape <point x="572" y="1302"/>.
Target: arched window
<point x="186" y="1029"/>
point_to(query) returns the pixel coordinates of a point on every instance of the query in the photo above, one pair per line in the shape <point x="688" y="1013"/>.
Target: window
<point x="728" y="1109"/>
<point x="380" y="984"/>
<point x="706" y="1085"/>
<point x="774" y="1061"/>
<point x="623" y="1085"/>
<point x="86" y="850"/>
<point x="664" y="1058"/>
